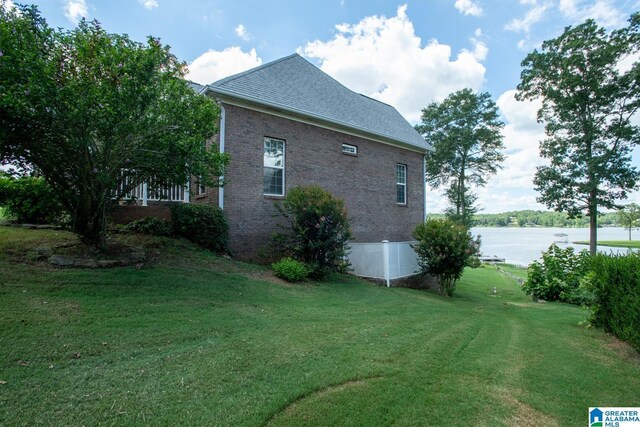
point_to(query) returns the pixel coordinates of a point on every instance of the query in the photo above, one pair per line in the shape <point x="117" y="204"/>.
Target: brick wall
<point x="124" y="214"/>
<point x="313" y="155"/>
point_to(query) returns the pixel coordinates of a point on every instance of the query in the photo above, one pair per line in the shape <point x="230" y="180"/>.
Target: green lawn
<point x="196" y="340"/>
<point x="613" y="243"/>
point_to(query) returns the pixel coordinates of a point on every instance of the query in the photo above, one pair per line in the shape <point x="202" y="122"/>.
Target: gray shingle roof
<point x="196" y="87"/>
<point x="293" y="84"/>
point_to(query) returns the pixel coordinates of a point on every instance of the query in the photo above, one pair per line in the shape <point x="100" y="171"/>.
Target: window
<point x="401" y="184"/>
<point x="349" y="149"/>
<point x="273" y="167"/>
<point x="201" y="189"/>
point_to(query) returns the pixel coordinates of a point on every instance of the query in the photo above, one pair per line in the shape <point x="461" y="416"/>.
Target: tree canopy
<point x="589" y="96"/>
<point x="629" y="217"/>
<point x="82" y="106"/>
<point x="465" y="131"/>
<point x="531" y="218"/>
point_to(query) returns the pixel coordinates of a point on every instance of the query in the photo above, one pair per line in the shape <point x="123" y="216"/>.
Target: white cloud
<point x="603" y="11"/>
<point x="496" y="201"/>
<point x="241" y="32"/>
<point x="8" y="5"/>
<point x="532" y="16"/>
<point x="468" y="7"/>
<point x="384" y="59"/>
<point x="627" y="62"/>
<point x="76" y="9"/>
<point x="480" y="49"/>
<point x="149" y="4"/>
<point x="215" y="65"/>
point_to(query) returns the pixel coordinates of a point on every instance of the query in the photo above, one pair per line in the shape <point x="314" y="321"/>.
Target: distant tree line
<point x="531" y="218"/>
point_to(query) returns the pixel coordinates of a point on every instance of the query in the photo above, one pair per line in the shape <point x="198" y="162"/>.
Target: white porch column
<point x="145" y="193"/>
<point x="385" y="257"/>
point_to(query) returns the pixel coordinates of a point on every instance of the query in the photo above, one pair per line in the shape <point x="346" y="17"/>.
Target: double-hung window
<point x="401" y="184"/>
<point x="273" y="167"/>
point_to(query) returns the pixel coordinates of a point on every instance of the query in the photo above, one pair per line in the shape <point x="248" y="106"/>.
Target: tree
<point x="444" y="248"/>
<point x="319" y="230"/>
<point x="588" y="100"/>
<point x="629" y="217"/>
<point x="465" y="131"/>
<point x="83" y="106"/>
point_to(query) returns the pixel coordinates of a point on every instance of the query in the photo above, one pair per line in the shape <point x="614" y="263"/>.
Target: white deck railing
<point x="385" y="260"/>
<point x="155" y="191"/>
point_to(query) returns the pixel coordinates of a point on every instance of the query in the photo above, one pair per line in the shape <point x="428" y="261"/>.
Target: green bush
<point x="319" y="229"/>
<point x="150" y="225"/>
<point x="290" y="270"/>
<point x="615" y="284"/>
<point x="29" y="200"/>
<point x="558" y="276"/>
<point x="204" y="225"/>
<point x="444" y="249"/>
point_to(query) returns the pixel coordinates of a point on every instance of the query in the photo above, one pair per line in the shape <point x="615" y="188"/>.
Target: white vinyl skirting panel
<point x="385" y="260"/>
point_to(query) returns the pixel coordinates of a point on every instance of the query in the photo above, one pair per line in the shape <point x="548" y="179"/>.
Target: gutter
<point x="424" y="186"/>
<point x="221" y="146"/>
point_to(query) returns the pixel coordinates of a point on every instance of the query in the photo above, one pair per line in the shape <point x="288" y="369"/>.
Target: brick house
<point x="286" y="124"/>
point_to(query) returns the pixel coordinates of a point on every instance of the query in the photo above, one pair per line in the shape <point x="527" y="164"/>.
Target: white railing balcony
<point x="155" y="191"/>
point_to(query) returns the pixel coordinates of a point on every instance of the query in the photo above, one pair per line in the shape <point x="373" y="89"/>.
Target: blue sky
<point x="404" y="53"/>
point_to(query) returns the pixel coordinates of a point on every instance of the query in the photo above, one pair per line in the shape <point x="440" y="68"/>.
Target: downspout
<point x="221" y="146"/>
<point x="424" y="186"/>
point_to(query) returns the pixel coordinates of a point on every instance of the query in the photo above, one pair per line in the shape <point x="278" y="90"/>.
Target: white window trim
<point x="284" y="145"/>
<point x="349" y="149"/>
<point x="404" y="184"/>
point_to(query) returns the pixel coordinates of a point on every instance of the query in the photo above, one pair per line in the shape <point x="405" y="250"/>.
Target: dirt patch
<point x="418" y="281"/>
<point x="55" y="308"/>
<point x="624" y="350"/>
<point x="524" y="415"/>
<point x="268" y="276"/>
<point x="527" y="304"/>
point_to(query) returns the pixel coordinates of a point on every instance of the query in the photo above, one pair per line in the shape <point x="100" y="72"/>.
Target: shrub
<point x="290" y="270"/>
<point x="29" y="199"/>
<point x="204" y="225"/>
<point x="150" y="225"/>
<point x="558" y="276"/>
<point x="319" y="229"/>
<point x="444" y="248"/>
<point x="615" y="284"/>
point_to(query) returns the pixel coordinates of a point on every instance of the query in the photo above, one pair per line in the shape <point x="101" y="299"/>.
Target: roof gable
<point x="295" y="85"/>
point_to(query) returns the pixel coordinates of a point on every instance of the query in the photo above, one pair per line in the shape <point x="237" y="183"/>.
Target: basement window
<point x="349" y="149"/>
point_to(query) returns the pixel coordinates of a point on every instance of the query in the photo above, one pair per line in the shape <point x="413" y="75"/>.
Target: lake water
<point x="521" y="246"/>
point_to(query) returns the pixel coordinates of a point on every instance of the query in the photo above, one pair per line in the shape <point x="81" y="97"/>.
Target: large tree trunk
<point x="593" y="227"/>
<point x="90" y="221"/>
<point x="461" y="191"/>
